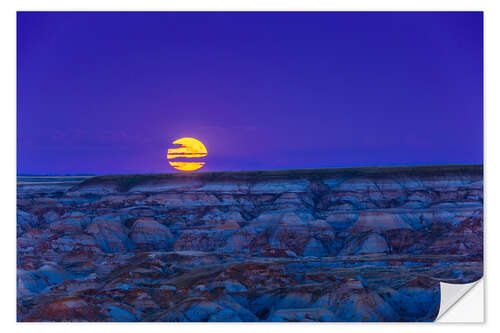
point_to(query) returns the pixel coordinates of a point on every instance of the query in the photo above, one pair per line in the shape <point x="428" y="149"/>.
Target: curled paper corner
<point x="461" y="303"/>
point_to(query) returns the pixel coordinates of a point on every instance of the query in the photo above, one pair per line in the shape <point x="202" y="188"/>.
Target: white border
<point x="7" y="130"/>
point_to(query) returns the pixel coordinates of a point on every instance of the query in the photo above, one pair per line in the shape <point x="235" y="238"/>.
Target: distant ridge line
<point x="126" y="181"/>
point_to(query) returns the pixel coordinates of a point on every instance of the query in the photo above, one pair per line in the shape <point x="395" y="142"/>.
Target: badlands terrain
<point x="354" y="244"/>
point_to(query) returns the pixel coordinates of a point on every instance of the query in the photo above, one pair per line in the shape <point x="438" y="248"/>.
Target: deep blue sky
<point x="109" y="92"/>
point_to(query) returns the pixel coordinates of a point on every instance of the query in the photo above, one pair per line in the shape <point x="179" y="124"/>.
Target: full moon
<point x="189" y="148"/>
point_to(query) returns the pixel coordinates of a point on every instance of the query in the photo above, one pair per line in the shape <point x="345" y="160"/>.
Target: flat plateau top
<point x="126" y="181"/>
<point x="425" y="170"/>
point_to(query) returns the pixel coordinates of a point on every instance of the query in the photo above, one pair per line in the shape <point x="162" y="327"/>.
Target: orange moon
<point x="189" y="148"/>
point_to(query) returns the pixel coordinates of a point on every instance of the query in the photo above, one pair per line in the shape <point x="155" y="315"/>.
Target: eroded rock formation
<point x="360" y="244"/>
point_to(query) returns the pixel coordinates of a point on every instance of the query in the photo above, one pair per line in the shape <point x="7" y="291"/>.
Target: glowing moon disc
<point x="189" y="148"/>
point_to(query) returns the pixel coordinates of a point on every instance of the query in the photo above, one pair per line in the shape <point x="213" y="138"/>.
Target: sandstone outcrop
<point x="358" y="244"/>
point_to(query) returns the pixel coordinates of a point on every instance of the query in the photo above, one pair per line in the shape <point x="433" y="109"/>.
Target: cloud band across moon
<point x="190" y="148"/>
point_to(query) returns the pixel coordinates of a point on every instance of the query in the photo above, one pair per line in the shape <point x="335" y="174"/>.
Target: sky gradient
<point x="109" y="92"/>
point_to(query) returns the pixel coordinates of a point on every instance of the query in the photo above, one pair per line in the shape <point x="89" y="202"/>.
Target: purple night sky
<point x="108" y="92"/>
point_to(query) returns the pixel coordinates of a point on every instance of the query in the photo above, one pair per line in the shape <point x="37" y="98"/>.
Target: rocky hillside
<point x="357" y="244"/>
